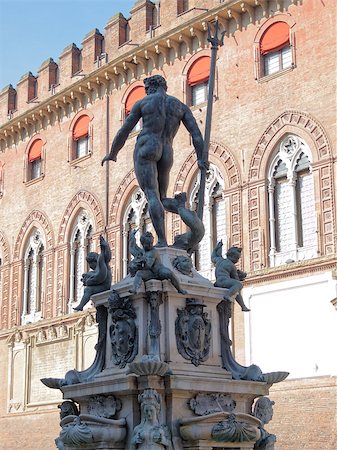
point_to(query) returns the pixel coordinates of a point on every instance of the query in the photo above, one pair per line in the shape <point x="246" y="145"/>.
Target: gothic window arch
<point x="136" y="217"/>
<point x="33" y="278"/>
<point x="80" y="246"/>
<point x="292" y="214"/>
<point x="214" y="218"/>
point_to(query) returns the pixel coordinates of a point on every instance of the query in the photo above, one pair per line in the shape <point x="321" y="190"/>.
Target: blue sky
<point x="31" y="31"/>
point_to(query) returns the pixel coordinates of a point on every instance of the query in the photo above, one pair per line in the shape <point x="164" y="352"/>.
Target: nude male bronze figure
<point x="153" y="154"/>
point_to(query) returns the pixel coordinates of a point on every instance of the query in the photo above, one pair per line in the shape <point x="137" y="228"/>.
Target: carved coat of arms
<point x="123" y="330"/>
<point x="193" y="332"/>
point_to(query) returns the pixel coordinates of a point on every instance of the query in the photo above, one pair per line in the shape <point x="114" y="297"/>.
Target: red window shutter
<point x="81" y="128"/>
<point x="274" y="38"/>
<point x="136" y="94"/>
<point x="35" y="151"/>
<point x="199" y="71"/>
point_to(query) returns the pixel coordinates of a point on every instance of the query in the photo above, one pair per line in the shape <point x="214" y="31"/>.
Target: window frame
<point x="29" y="166"/>
<point x="259" y="73"/>
<point x="73" y="157"/>
<point x="290" y="156"/>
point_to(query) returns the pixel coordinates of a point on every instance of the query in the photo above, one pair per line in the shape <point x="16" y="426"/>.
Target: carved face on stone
<point x="183" y="264"/>
<point x="122" y="334"/>
<point x="149" y="412"/>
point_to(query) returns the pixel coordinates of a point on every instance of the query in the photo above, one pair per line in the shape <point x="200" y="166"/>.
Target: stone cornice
<point x="106" y="73"/>
<point x="295" y="269"/>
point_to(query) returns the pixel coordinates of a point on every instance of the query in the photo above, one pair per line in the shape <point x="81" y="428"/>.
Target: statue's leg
<point x="141" y="275"/>
<point x="147" y="176"/>
<point x="167" y="274"/>
<point x="240" y="301"/>
<point x="234" y="286"/>
<point x="88" y="292"/>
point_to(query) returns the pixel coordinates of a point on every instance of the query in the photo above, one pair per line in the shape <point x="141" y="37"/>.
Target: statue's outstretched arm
<point x="122" y="135"/>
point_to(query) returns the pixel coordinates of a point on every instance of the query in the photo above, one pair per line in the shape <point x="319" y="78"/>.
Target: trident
<point x="216" y="42"/>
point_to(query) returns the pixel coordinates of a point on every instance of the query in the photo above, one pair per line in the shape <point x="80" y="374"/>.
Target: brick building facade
<point x="271" y="189"/>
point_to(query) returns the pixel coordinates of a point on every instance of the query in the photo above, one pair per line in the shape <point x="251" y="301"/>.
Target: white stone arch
<point x="34" y="275"/>
<point x="214" y="219"/>
<point x="291" y="203"/>
<point x="79" y="239"/>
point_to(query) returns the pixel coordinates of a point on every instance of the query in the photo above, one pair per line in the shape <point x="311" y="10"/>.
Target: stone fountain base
<point x="163" y="385"/>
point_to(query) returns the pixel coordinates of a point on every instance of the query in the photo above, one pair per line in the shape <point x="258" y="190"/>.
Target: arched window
<point x="35" y="160"/>
<point x="33" y="278"/>
<point x="214" y="219"/>
<point x="80" y="246"/>
<point x="275" y="49"/>
<point x="134" y="96"/>
<point x="197" y="80"/>
<point x="136" y="216"/>
<point x="81" y="137"/>
<point x="292" y="215"/>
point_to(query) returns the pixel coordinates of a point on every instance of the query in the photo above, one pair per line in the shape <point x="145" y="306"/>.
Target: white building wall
<point x="292" y="326"/>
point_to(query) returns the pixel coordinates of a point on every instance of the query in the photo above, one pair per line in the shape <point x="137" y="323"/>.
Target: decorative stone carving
<point x="123" y="330"/>
<point x="104" y="406"/>
<point x="233" y="430"/>
<point x="193" y="332"/>
<point x="150" y="434"/>
<point x="90" y="432"/>
<point x="220" y="427"/>
<point x="151" y="364"/>
<point x="76" y="434"/>
<point x="68" y="408"/>
<point x="183" y="264"/>
<point x="204" y="404"/>
<point x="290" y="145"/>
<point x="263" y="410"/>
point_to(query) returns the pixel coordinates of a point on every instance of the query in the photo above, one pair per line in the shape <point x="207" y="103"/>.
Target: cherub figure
<point x="99" y="278"/>
<point x="146" y="264"/>
<point x="227" y="275"/>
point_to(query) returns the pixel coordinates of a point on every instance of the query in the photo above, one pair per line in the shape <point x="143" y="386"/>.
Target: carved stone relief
<point x="203" y="404"/>
<point x="193" y="332"/>
<point x="123" y="330"/>
<point x="103" y="406"/>
<point x="233" y="430"/>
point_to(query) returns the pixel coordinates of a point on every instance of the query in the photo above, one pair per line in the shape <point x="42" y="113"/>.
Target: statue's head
<point x="152" y="84"/>
<point x="146" y="240"/>
<point x="183" y="264"/>
<point x="234" y="253"/>
<point x="92" y="258"/>
<point x="150" y="404"/>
